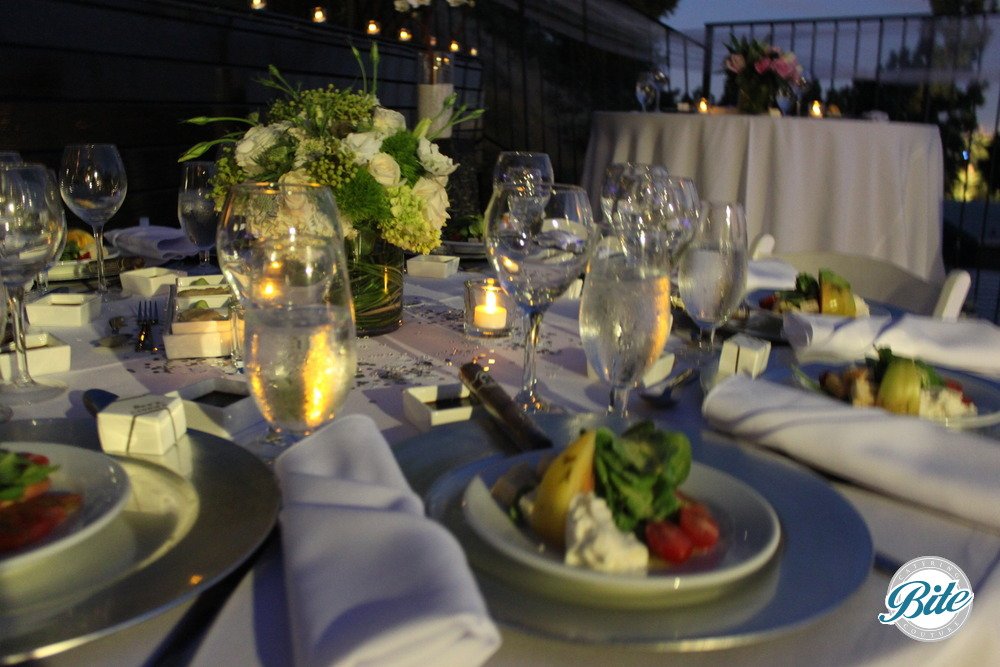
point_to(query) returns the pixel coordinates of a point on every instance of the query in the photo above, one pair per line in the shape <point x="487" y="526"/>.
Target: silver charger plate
<point x="192" y="518"/>
<point x="78" y="269"/>
<point x="821" y="533"/>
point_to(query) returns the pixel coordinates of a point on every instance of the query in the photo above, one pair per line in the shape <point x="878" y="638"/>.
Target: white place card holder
<point x="147" y="424"/>
<point x="745" y="355"/>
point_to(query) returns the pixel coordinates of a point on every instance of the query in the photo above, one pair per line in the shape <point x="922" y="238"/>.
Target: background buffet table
<point x="427" y="350"/>
<point x="863" y="187"/>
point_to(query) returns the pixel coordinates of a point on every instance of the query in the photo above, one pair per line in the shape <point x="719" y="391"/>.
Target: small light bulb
<point x="473" y="51"/>
<point x="405" y="35"/>
<point x="373" y="27"/>
<point x="454" y="47"/>
<point x="258" y="4"/>
<point x="319" y="14"/>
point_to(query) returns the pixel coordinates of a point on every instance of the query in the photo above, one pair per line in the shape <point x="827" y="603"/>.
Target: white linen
<point x="152" y="241"/>
<point x="770" y="274"/>
<point x="909" y="458"/>
<point x="370" y="580"/>
<point x="849" y="186"/>
<point x="971" y="345"/>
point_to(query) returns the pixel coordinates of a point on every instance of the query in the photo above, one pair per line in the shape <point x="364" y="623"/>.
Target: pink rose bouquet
<point x="758" y="71"/>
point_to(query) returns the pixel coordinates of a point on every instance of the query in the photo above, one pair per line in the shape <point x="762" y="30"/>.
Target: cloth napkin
<point x="152" y="241"/>
<point x="370" y="580"/>
<point x="909" y="458"/>
<point x="770" y="274"/>
<point x="971" y="345"/>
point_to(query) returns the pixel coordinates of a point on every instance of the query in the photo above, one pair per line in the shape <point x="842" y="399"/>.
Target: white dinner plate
<point x="985" y="396"/>
<point x="749" y="537"/>
<point x="77" y="269"/>
<point x="100" y="481"/>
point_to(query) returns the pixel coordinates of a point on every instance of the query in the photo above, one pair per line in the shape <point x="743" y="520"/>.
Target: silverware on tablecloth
<point x="662" y="395"/>
<point x="147" y="316"/>
<point x="519" y="427"/>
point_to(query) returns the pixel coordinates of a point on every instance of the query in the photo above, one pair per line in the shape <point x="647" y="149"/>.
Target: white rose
<point x="401" y="5"/>
<point x="363" y="144"/>
<point x="386" y="121"/>
<point x="258" y="140"/>
<point x="384" y="168"/>
<point x="435" y="200"/>
<point x="433" y="160"/>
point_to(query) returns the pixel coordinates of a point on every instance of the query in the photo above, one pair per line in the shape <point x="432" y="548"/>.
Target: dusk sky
<point x="696" y="13"/>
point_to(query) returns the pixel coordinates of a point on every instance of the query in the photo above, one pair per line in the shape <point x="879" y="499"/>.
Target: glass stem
<point x="203" y="257"/>
<point x="102" y="282"/>
<point x="15" y="304"/>
<point x="618" y="405"/>
<point x="528" y="382"/>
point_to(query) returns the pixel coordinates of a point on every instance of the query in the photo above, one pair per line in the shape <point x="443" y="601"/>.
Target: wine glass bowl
<point x="538" y="240"/>
<point x="522" y="168"/>
<point x="32" y="235"/>
<point x="93" y="184"/>
<point x="196" y="209"/>
<point x="651" y="202"/>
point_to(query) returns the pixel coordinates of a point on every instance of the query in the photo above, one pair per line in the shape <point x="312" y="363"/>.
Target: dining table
<point x="817" y="619"/>
<point x="872" y="188"/>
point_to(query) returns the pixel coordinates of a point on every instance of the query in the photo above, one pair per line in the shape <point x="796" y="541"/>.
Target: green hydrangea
<point x="407" y="227"/>
<point x="363" y="200"/>
<point x="402" y="146"/>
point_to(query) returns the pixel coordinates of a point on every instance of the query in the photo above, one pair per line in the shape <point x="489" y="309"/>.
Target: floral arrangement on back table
<point x="757" y="71"/>
<point x="386" y="179"/>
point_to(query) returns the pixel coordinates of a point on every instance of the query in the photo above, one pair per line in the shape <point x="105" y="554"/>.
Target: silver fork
<point x="146" y="317"/>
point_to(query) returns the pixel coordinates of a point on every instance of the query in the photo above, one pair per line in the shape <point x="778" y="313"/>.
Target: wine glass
<point x="256" y="214"/>
<point x="616" y="180"/>
<point x="538" y="240"/>
<point x="93" y="184"/>
<point x="32" y="236"/>
<point x="196" y="210"/>
<point x="625" y="313"/>
<point x="713" y="270"/>
<point x="647" y="91"/>
<point x="522" y="167"/>
<point x="10" y="157"/>
<point x="300" y="353"/>
<point x="650" y="204"/>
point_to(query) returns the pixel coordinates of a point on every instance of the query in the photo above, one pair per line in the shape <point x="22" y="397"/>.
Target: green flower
<point x="407" y="227"/>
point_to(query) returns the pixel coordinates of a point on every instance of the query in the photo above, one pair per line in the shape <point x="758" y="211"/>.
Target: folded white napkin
<point x="909" y="458"/>
<point x="770" y="274"/>
<point x="971" y="345"/>
<point x="370" y="579"/>
<point x="152" y="241"/>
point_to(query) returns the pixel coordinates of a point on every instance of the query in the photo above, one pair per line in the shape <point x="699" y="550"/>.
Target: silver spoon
<point x="664" y="398"/>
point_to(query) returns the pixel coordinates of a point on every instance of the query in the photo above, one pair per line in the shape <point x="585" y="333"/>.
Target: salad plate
<point x="100" y="481"/>
<point x="80" y="269"/>
<point x="749" y="537"/>
<point x="985" y="396"/>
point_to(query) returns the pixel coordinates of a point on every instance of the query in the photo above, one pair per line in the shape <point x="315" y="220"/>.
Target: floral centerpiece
<point x="756" y="72"/>
<point x="388" y="181"/>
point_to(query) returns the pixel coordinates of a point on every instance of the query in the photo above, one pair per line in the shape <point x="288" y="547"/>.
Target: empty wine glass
<point x="650" y="204"/>
<point x="617" y="178"/>
<point x="522" y="167"/>
<point x="538" y="240"/>
<point x="713" y="270"/>
<point x="196" y="210"/>
<point x="625" y="313"/>
<point x="258" y="213"/>
<point x="93" y="184"/>
<point x="647" y="91"/>
<point x="32" y="235"/>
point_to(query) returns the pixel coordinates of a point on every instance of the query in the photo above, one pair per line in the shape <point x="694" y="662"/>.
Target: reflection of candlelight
<point x="490" y="314"/>
<point x="703" y="105"/>
<point x="816" y="110"/>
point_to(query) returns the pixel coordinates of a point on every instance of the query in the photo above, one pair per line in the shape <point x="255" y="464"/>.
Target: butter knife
<point x="518" y="426"/>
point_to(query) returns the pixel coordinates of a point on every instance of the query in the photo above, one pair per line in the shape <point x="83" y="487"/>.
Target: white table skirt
<point x="862" y="187"/>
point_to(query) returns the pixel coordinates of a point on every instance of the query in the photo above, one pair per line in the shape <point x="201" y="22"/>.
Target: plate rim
<point x="625" y="585"/>
<point x="59" y="270"/>
<point x="114" y="475"/>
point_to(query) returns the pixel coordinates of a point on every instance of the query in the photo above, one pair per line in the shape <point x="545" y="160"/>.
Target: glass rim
<point x="566" y="187"/>
<point x="7" y="166"/>
<point x="90" y="145"/>
<point x="277" y="186"/>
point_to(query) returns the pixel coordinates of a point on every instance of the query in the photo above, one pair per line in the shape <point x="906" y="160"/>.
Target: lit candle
<point x="490" y="314"/>
<point x="703" y="105"/>
<point x="373" y="27"/>
<point x="405" y="35"/>
<point x="816" y="110"/>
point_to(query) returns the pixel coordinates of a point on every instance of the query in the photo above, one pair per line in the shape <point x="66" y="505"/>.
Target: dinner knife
<point x="516" y="424"/>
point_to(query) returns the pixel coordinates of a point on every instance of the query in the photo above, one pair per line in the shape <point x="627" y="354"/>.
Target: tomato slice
<point x="26" y="522"/>
<point x="699" y="525"/>
<point x="667" y="541"/>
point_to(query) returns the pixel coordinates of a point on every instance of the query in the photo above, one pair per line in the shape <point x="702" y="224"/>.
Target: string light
<point x="258" y="4"/>
<point x="373" y="27"/>
<point x="405" y="35"/>
<point x="319" y="14"/>
<point x="473" y="51"/>
<point x="454" y="47"/>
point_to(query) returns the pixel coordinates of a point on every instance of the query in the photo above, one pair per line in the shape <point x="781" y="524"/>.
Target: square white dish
<point x="433" y="405"/>
<point x="149" y="281"/>
<point x="63" y="310"/>
<point x="49" y="355"/>
<point x="220" y="406"/>
<point x="188" y="288"/>
<point x="432" y="266"/>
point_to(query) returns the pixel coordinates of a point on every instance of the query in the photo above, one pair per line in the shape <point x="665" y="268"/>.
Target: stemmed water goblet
<point x="93" y="184"/>
<point x="196" y="210"/>
<point x="650" y="203"/>
<point x="32" y="235"/>
<point x="538" y="239"/>
<point x="625" y="312"/>
<point x="713" y="270"/>
<point x="522" y="167"/>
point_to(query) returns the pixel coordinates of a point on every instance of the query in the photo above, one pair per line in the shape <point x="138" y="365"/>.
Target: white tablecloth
<point x="850" y="186"/>
<point x="251" y="629"/>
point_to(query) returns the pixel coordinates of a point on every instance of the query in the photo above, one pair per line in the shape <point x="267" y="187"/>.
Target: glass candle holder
<point x="488" y="310"/>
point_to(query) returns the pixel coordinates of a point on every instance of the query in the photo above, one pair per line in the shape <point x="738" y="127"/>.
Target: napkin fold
<point x="152" y="241"/>
<point x="370" y="580"/>
<point x="967" y="344"/>
<point x="770" y="274"/>
<point x="909" y="458"/>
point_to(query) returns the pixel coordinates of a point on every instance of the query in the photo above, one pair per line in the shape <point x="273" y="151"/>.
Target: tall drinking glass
<point x="93" y="184"/>
<point x="538" y="240"/>
<point x="625" y="313"/>
<point x="196" y="210"/>
<point x="32" y="236"/>
<point x="713" y="270"/>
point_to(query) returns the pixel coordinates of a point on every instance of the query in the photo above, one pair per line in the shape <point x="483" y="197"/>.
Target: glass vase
<point x="433" y="88"/>
<point x="755" y="100"/>
<point x="376" y="269"/>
